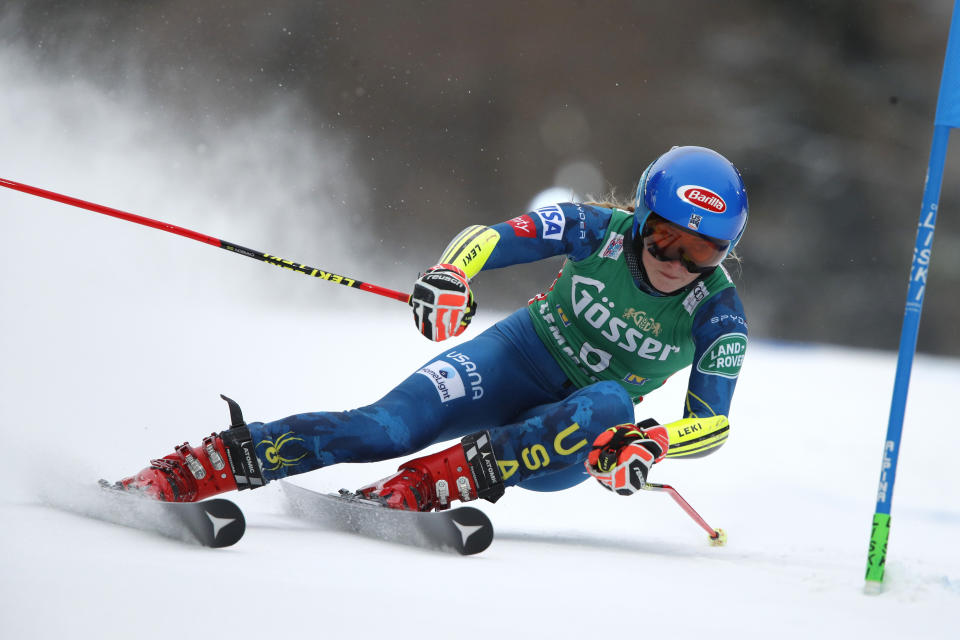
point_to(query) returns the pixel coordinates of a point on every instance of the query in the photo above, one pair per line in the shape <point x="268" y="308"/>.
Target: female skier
<point x="545" y="397"/>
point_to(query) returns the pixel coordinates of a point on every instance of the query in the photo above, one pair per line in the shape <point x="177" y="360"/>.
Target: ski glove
<point x="443" y="304"/>
<point x="621" y="456"/>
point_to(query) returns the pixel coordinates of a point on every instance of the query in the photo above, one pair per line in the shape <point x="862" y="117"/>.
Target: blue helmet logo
<point x="696" y="188"/>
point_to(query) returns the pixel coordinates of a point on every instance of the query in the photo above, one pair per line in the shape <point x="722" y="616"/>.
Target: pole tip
<point x="872" y="587"/>
<point x="719" y="538"/>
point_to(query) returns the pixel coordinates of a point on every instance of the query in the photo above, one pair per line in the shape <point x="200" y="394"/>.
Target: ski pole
<point x="718" y="537"/>
<point x="216" y="242"/>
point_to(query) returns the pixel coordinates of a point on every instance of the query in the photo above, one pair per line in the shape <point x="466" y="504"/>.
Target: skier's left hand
<point x="621" y="456"/>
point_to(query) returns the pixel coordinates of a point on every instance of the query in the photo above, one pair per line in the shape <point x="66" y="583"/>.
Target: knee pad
<point x="609" y="404"/>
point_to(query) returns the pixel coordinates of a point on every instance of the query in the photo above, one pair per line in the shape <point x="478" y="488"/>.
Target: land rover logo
<point x="725" y="356"/>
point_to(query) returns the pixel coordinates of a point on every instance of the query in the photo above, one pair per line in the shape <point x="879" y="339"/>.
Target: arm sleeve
<point x="572" y="229"/>
<point x="720" y="339"/>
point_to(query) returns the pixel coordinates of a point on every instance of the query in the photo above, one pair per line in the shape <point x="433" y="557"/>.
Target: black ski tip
<point x="210" y="523"/>
<point x="223" y="525"/>
<point x="474" y="529"/>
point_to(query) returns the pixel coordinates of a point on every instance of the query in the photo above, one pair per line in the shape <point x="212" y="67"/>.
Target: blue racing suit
<point x="507" y="381"/>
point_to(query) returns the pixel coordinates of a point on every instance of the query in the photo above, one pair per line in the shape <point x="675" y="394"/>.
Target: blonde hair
<point x="611" y="201"/>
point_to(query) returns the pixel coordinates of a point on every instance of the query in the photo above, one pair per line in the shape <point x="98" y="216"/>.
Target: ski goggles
<point x="667" y="242"/>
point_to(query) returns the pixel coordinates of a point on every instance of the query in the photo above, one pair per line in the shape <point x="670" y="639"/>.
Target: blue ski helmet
<point x="697" y="189"/>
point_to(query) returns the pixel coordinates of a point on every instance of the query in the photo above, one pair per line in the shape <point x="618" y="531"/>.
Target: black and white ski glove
<point x="443" y="304"/>
<point x="621" y="456"/>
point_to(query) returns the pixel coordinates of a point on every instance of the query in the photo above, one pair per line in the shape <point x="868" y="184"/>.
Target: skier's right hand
<point x="621" y="456"/>
<point x="443" y="304"/>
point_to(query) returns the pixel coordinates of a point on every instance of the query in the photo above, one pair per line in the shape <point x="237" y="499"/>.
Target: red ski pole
<point x="216" y="242"/>
<point x="718" y="537"/>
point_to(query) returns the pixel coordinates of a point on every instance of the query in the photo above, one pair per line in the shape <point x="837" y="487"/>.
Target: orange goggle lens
<point x="667" y="241"/>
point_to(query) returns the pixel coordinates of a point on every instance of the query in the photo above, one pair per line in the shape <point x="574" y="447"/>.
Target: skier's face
<point x="666" y="276"/>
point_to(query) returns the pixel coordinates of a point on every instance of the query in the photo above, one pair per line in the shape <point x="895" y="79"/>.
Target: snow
<point x="793" y="488"/>
<point x="117" y="339"/>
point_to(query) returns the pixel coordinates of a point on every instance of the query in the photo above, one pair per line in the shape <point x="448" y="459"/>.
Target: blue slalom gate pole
<point x="947" y="117"/>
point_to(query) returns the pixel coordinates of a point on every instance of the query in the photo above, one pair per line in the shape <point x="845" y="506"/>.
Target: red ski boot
<point x="465" y="471"/>
<point x="221" y="463"/>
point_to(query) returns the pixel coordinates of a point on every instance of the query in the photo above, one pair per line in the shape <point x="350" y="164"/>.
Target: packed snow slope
<point x="94" y="385"/>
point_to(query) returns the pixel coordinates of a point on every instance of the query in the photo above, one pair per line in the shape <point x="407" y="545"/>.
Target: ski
<point x="464" y="530"/>
<point x="210" y="523"/>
